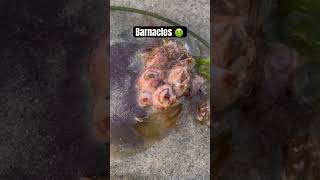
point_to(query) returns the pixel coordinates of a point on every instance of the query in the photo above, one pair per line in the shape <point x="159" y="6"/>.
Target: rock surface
<point x="185" y="153"/>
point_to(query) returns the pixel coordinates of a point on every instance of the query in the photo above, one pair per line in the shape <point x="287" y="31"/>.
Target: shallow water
<point x="128" y="136"/>
<point x="123" y="107"/>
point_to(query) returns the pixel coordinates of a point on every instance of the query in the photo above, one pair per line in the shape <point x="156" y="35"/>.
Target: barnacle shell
<point x="179" y="78"/>
<point x="157" y="58"/>
<point x="145" y="99"/>
<point x="187" y="62"/>
<point x="150" y="79"/>
<point x="197" y="85"/>
<point x="175" y="51"/>
<point x="164" y="97"/>
<point x="203" y="112"/>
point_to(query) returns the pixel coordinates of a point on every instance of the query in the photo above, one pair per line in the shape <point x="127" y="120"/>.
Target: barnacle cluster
<point x="167" y="76"/>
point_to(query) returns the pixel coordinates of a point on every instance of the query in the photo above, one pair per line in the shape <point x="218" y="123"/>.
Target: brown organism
<point x="164" y="97"/>
<point x="150" y="79"/>
<point x="167" y="76"/>
<point x="157" y="58"/>
<point x="179" y="78"/>
<point x="145" y="99"/>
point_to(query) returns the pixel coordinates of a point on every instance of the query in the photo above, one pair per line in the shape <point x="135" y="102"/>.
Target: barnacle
<point x="197" y="85"/>
<point x="150" y="79"/>
<point x="157" y="58"/>
<point x="203" y="112"/>
<point x="167" y="76"/>
<point x="175" y="50"/>
<point x="179" y="77"/>
<point x="145" y="99"/>
<point x="164" y="97"/>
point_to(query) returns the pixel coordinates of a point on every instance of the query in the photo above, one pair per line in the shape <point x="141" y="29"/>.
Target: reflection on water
<point x="154" y="126"/>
